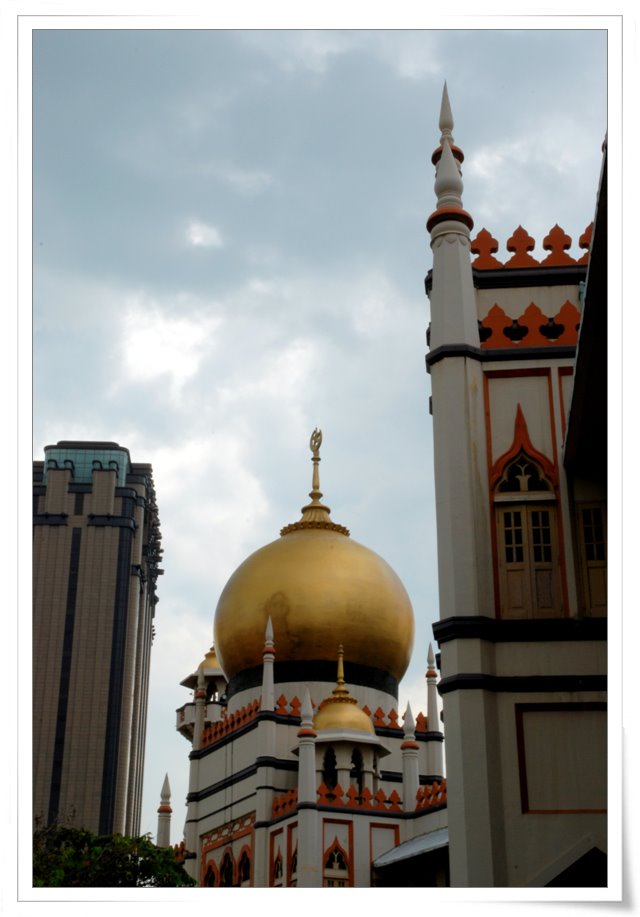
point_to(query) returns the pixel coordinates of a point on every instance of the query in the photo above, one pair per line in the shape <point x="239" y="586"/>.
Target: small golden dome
<point x="210" y="660"/>
<point x="341" y="711"/>
<point x="318" y="586"/>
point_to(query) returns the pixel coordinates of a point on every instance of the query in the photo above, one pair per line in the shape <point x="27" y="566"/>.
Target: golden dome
<point x="341" y="711"/>
<point x="210" y="660"/>
<point x="320" y="588"/>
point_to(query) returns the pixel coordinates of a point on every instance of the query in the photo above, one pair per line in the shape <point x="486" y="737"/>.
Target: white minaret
<point x="163" y="837"/>
<point x="410" y="769"/>
<point x="191" y="825"/>
<point x="309" y="851"/>
<point x="268" y="656"/>
<point x="266" y="752"/>
<point x="464" y="542"/>
<point x="465" y="564"/>
<point x="435" y="756"/>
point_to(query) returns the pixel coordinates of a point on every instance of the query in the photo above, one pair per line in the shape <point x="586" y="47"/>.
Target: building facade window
<point x="244" y="869"/>
<point x="329" y="769"/>
<point x="293" y="869"/>
<point x="356" y="773"/>
<point x="528" y="556"/>
<point x="592" y="551"/>
<point x="336" y="870"/>
<point x="226" y="871"/>
<point x="277" y="870"/>
<point x="528" y="560"/>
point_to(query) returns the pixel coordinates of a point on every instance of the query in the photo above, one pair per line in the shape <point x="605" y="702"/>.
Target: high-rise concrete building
<point x="96" y="556"/>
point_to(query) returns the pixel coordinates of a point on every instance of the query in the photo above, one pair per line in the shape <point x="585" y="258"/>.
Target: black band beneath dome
<point x="316" y="670"/>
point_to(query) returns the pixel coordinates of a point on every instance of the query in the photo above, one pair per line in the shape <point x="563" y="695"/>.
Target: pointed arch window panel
<point x="336" y="868"/>
<point x="524" y="487"/>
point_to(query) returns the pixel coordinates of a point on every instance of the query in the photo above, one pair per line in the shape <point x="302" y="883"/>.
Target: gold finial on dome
<point x="341" y="710"/>
<point x="315" y="515"/>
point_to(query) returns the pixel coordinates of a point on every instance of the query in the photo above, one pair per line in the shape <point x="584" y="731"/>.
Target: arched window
<point x="356" y="769"/>
<point x="336" y="870"/>
<point x="226" y="871"/>
<point x="277" y="869"/>
<point x="329" y="769"/>
<point x="210" y="878"/>
<point x="293" y="868"/>
<point x="527" y="545"/>
<point x="244" y="869"/>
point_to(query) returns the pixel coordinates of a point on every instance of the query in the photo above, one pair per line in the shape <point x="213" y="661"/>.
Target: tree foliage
<point x="72" y="857"/>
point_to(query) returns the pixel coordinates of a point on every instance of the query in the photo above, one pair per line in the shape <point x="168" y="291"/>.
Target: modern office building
<point x="96" y="558"/>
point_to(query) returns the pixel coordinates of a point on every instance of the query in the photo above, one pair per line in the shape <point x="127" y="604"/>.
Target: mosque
<point x="303" y="772"/>
<point x="297" y="779"/>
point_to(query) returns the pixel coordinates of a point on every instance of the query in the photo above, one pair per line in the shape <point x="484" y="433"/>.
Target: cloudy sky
<point x="229" y="250"/>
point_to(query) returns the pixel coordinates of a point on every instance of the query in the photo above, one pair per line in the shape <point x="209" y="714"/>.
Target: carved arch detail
<point x="522" y="445"/>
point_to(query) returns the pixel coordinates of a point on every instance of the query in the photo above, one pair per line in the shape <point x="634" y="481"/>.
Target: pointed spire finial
<point x="165" y="792"/>
<point x="446" y="118"/>
<point x="340" y="687"/>
<point x="409" y="722"/>
<point x="445" y="123"/>
<point x="315" y="515"/>
<point x="306" y="710"/>
<point x="314" y="444"/>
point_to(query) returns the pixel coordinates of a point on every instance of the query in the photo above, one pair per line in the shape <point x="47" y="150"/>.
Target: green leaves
<point x="71" y="857"/>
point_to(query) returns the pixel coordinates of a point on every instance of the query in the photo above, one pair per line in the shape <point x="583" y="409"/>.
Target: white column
<point x="163" y="837"/>
<point x="191" y="839"/>
<point x="435" y="746"/>
<point x="410" y="767"/>
<point x="265" y="753"/>
<point x="309" y="852"/>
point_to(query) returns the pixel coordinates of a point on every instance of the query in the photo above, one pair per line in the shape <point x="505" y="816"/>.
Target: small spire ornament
<point x="315" y="515"/>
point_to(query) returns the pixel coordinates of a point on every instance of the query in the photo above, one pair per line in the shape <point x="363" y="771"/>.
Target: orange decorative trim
<point x="422" y="724"/>
<point x="164" y="809"/>
<point x="521" y="243"/>
<point x="432" y="794"/>
<point x="484" y="246"/>
<point x="352" y="799"/>
<point x="437" y="153"/>
<point x="285" y="803"/>
<point x="532" y="328"/>
<point x="556" y="242"/>
<point x="449" y="213"/>
<point x="585" y="242"/>
<point x="522" y="443"/>
<point x="215" y="731"/>
<point x="408" y="743"/>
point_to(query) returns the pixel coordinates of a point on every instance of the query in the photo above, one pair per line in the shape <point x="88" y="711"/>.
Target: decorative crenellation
<point x="222" y="728"/>
<point x="285" y="803"/>
<point x="352" y="798"/>
<point x="431" y="794"/>
<point x="556" y="242"/>
<point x="532" y="329"/>
<point x="382" y="720"/>
<point x="288" y="708"/>
<point x="239" y="827"/>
